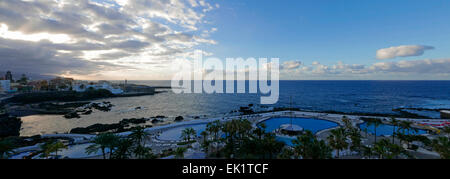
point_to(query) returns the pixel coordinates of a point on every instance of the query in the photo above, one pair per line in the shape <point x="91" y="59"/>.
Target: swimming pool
<point x="313" y="125"/>
<point x="386" y="129"/>
<point x="175" y="133"/>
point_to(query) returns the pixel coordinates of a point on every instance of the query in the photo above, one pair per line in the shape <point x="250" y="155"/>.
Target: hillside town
<point x="9" y="85"/>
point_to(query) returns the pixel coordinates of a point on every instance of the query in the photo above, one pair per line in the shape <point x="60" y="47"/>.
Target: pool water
<point x="313" y="125"/>
<point x="386" y="129"/>
<point x="175" y="133"/>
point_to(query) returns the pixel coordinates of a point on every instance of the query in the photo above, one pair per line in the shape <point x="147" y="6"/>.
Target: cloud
<point x="405" y="67"/>
<point x="402" y="51"/>
<point x="435" y="66"/>
<point x="32" y="57"/>
<point x="289" y="65"/>
<point x="88" y="36"/>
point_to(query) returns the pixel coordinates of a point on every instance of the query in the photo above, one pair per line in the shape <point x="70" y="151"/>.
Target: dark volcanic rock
<point x="105" y="106"/>
<point x="72" y="115"/>
<point x="96" y="128"/>
<point x="9" y="126"/>
<point x="159" y="117"/>
<point x="154" y="121"/>
<point x="179" y="118"/>
<point x="87" y="112"/>
<point x="133" y="121"/>
<point x="117" y="127"/>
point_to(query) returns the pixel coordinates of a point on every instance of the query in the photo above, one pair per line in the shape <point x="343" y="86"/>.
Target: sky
<point x="314" y="39"/>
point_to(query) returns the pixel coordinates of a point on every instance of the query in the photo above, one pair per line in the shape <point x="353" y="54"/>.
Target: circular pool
<point x="313" y="125"/>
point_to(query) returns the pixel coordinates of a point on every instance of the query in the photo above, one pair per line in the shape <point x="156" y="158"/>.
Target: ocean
<point x="340" y="96"/>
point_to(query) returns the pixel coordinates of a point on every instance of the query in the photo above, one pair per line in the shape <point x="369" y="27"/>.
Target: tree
<point x="122" y="148"/>
<point x="142" y="152"/>
<point x="442" y="146"/>
<point x="446" y="130"/>
<point x="337" y="140"/>
<point x="367" y="152"/>
<point x="259" y="131"/>
<point x="138" y="135"/>
<point x="347" y="123"/>
<point x="271" y="146"/>
<point x="179" y="152"/>
<point x="407" y="126"/>
<point x="51" y="147"/>
<point x="375" y="122"/>
<point x="23" y="80"/>
<point x="46" y="150"/>
<point x="57" y="146"/>
<point x="103" y="142"/>
<point x="307" y="146"/>
<point x="381" y="148"/>
<point x="387" y="150"/>
<point x="286" y="153"/>
<point x="187" y="133"/>
<point x="355" y="137"/>
<point x="214" y="128"/>
<point x="205" y="143"/>
<point x="394" y="123"/>
<point x="6" y="148"/>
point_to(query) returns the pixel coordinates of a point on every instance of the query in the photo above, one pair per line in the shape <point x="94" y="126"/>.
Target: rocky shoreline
<point x="123" y="126"/>
<point x="9" y="126"/>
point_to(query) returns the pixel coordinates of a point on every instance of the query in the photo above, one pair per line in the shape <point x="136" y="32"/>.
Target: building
<point x="60" y="84"/>
<point x="8" y="76"/>
<point x="445" y="114"/>
<point x="83" y="86"/>
<point x="5" y="86"/>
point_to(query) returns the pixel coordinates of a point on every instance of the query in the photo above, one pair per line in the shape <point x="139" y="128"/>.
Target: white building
<point x="5" y="86"/>
<point x="82" y="87"/>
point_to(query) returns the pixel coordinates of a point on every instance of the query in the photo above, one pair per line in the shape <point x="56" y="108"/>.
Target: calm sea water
<point x="343" y="96"/>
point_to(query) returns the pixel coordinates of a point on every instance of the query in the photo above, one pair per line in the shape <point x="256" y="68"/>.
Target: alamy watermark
<point x="208" y="76"/>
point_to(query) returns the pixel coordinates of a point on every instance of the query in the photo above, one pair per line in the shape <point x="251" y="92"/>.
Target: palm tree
<point x="187" y="133"/>
<point x="46" y="150"/>
<point x="347" y="123"/>
<point x="376" y="123"/>
<point x="307" y="146"/>
<point x="102" y="142"/>
<point x="406" y="126"/>
<point x="442" y="146"/>
<point x="179" y="152"/>
<point x="6" y="148"/>
<point x="355" y="137"/>
<point x="387" y="150"/>
<point x="394" y="123"/>
<point x="204" y="134"/>
<point x="139" y="135"/>
<point x="122" y="148"/>
<point x="381" y="148"/>
<point x="51" y="147"/>
<point x="337" y="140"/>
<point x="271" y="146"/>
<point x="286" y="153"/>
<point x="142" y="152"/>
<point x="446" y="130"/>
<point x="260" y="131"/>
<point x="367" y="151"/>
<point x="214" y="128"/>
<point x="57" y="146"/>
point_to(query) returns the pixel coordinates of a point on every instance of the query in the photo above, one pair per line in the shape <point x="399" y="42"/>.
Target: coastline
<point x="160" y="145"/>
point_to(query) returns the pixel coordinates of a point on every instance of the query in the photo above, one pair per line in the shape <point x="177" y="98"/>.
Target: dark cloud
<point x="32" y="57"/>
<point x="114" y="31"/>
